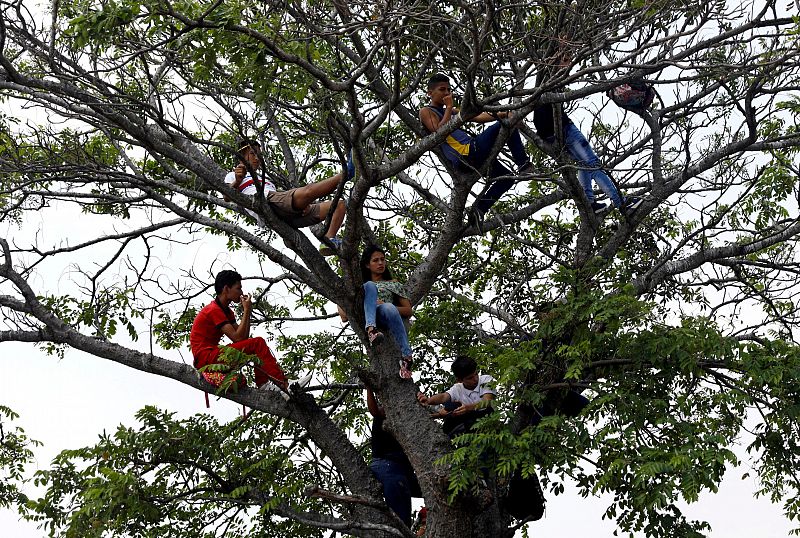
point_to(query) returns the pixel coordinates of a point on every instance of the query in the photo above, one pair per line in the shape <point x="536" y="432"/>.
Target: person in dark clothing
<point x="391" y="466"/>
<point x="577" y="146"/>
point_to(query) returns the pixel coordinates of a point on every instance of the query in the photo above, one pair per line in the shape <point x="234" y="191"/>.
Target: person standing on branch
<point x="466" y="152"/>
<point x="390" y="465"/>
<point x="299" y="206"/>
<point x="217" y="319"/>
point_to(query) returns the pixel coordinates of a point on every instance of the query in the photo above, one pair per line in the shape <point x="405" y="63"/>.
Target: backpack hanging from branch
<point x="636" y="96"/>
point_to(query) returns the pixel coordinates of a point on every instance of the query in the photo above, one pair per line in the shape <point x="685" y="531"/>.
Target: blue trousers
<point x="385" y="316"/>
<point x="398" y="482"/>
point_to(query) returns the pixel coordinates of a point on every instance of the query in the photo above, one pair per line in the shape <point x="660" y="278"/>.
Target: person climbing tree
<point x="390" y="465"/>
<point x="466" y="152"/>
<point x="217" y="319"/>
<point x="466" y="401"/>
<point x="298" y="206"/>
<point x="545" y="120"/>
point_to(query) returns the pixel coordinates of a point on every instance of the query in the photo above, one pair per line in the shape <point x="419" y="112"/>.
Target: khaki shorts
<point x="281" y="202"/>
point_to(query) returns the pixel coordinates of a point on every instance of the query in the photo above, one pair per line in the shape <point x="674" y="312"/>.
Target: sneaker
<point x="630" y="206"/>
<point x="405" y="367"/>
<point x="599" y="208"/>
<point x="327" y="250"/>
<point x="475" y="218"/>
<point x="272" y="387"/>
<point x="300" y="383"/>
<point x="375" y="337"/>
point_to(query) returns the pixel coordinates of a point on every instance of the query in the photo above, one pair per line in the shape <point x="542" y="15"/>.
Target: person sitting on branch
<point x="298" y="206"/>
<point x="467" y="400"/>
<point x="217" y="319"/>
<point x="385" y="305"/>
<point x="466" y="152"/>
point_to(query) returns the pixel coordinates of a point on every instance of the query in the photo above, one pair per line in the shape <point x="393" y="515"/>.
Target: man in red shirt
<point x="217" y="319"/>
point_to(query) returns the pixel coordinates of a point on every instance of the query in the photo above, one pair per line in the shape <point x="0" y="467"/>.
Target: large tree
<point x="679" y="323"/>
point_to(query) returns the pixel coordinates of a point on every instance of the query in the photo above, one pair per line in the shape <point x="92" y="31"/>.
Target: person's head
<point x="466" y="371"/>
<point x="228" y="285"/>
<point x="373" y="263"/>
<point x="438" y="88"/>
<point x="249" y="151"/>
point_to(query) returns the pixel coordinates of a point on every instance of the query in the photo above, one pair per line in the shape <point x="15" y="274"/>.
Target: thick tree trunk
<point x="472" y="514"/>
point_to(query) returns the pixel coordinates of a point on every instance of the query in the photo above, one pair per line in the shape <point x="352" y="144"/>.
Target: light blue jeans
<point x="386" y="315"/>
<point x="580" y="150"/>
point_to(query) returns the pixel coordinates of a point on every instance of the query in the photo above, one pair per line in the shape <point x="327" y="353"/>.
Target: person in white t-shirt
<point x="299" y="206"/>
<point x="472" y="390"/>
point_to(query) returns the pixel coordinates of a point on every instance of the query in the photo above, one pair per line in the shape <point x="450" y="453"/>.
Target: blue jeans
<point x="397" y="481"/>
<point x="580" y="150"/>
<point x="386" y="315"/>
<point x="480" y="148"/>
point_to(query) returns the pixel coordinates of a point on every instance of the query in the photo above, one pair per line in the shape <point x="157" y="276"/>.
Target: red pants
<point x="252" y="346"/>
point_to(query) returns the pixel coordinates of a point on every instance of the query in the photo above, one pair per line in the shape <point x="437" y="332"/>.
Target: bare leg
<point x="305" y="196"/>
<point x="336" y="219"/>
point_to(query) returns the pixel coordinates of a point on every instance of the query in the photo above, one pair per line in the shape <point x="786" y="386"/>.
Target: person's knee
<point x="324" y="207"/>
<point x="258" y="345"/>
<point x="369" y="285"/>
<point x="388" y="310"/>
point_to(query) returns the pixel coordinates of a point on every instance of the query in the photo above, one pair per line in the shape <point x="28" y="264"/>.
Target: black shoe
<point x="630" y="206"/>
<point x="599" y="208"/>
<point x="475" y="218"/>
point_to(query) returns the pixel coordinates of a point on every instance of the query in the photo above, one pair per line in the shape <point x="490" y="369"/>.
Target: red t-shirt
<point x="207" y="332"/>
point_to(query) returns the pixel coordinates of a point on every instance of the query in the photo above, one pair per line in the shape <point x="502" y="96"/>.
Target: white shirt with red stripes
<point x="248" y="186"/>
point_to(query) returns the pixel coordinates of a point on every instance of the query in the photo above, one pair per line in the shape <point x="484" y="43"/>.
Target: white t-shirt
<point x="248" y="186"/>
<point x="459" y="394"/>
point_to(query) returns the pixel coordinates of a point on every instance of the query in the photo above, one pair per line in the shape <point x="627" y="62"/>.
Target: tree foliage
<point x="680" y="322"/>
<point x="15" y="454"/>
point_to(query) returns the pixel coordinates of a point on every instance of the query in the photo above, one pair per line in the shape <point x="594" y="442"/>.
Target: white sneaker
<point x="272" y="387"/>
<point x="302" y="382"/>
